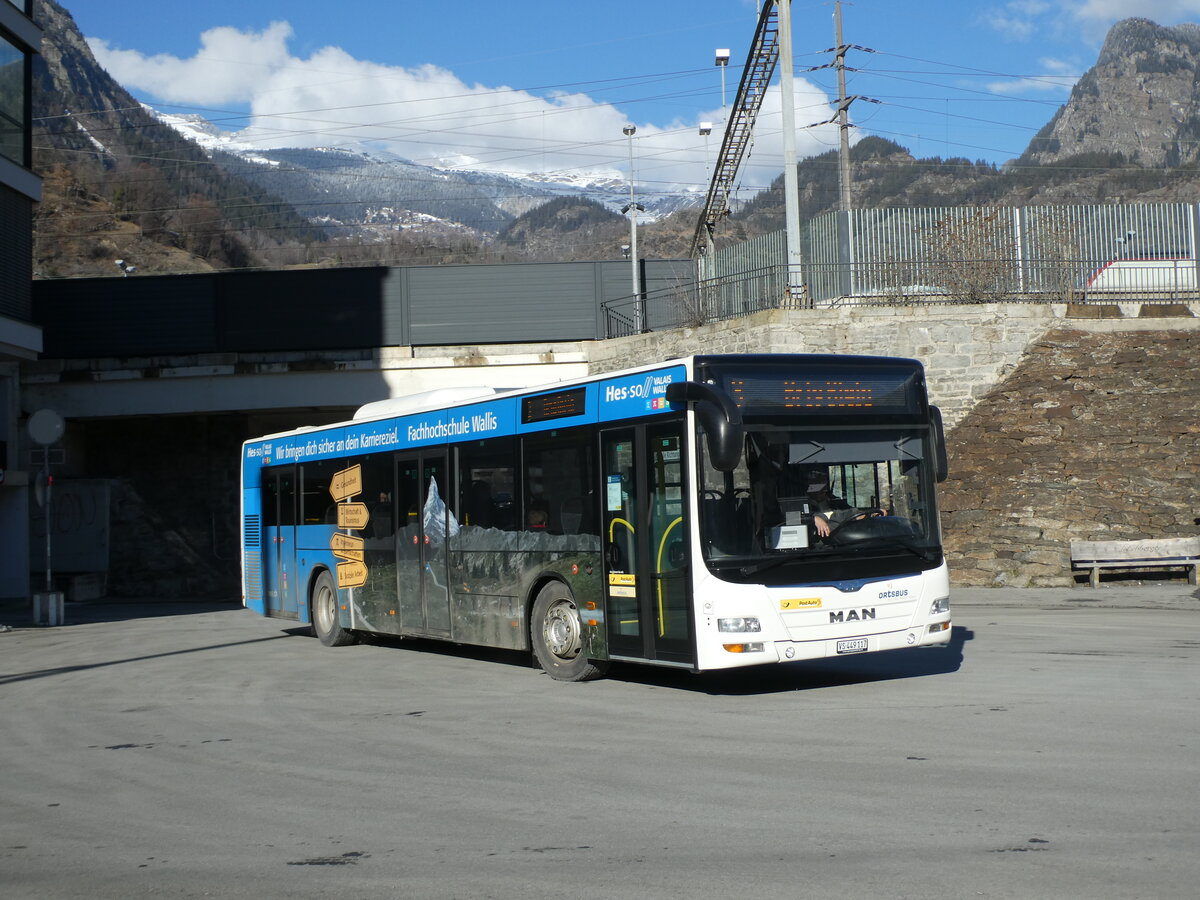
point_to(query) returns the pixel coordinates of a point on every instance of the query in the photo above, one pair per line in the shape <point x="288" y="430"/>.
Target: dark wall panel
<point x="135" y="316"/>
<point x="332" y="309"/>
<point x="498" y="304"/>
<point x="320" y="309"/>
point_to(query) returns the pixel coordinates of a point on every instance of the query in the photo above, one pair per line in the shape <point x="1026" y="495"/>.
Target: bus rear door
<point x="279" y="541"/>
<point x="645" y="538"/>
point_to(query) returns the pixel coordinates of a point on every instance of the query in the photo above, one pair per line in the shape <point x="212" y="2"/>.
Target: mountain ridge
<point x="1140" y="101"/>
<point x="122" y="182"/>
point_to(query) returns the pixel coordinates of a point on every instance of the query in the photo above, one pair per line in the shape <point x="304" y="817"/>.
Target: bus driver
<point x="828" y="509"/>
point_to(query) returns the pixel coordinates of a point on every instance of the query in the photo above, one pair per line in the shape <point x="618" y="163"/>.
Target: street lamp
<point x="632" y="209"/>
<point x="705" y="131"/>
<point x="722" y="62"/>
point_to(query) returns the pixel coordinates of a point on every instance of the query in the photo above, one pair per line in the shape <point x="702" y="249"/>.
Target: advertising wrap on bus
<point x="438" y="427"/>
<point x="708" y="513"/>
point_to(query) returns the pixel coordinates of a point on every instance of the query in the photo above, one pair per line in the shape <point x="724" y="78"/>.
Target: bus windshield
<point x="825" y="503"/>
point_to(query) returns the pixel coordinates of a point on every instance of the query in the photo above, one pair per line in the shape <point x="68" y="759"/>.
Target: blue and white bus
<point x="703" y="513"/>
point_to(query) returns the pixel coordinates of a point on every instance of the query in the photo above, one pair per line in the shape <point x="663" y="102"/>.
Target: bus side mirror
<point x="719" y="417"/>
<point x="941" y="461"/>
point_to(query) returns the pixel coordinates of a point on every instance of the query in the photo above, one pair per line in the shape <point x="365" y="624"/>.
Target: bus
<point x="663" y="514"/>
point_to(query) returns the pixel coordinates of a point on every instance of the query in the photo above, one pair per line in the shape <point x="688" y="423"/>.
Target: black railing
<point x="698" y="303"/>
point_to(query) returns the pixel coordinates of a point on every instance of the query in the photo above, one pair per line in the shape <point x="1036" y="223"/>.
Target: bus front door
<point x="279" y="541"/>
<point x="645" y="539"/>
<point x="421" y="552"/>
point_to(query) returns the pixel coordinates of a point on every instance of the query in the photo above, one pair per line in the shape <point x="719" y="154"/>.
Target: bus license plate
<point x="854" y="645"/>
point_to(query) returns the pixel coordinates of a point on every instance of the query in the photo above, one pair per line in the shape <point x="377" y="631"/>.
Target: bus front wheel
<point x="557" y="635"/>
<point x="325" y="613"/>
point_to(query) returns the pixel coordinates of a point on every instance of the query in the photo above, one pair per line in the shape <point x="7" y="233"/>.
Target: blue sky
<point x="533" y="85"/>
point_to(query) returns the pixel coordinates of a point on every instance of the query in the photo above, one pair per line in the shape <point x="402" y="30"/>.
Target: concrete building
<point x="20" y="339"/>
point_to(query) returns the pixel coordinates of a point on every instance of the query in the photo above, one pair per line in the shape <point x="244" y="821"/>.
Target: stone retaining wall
<point x="1094" y="436"/>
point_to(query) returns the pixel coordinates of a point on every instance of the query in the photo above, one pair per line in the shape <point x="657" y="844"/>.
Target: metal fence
<point x="978" y="253"/>
<point x="996" y="279"/>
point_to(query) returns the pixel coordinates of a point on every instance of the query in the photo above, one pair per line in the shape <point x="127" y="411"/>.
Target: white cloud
<point x="1017" y="19"/>
<point x="1010" y="26"/>
<point x="1059" y="67"/>
<point x="1058" y="75"/>
<point x="428" y="114"/>
<point x="225" y="69"/>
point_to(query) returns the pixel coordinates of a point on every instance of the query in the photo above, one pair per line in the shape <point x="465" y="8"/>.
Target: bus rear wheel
<point x="325" y="622"/>
<point x="557" y="636"/>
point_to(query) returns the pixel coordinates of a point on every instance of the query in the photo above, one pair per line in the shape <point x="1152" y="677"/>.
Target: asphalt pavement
<point x="194" y="749"/>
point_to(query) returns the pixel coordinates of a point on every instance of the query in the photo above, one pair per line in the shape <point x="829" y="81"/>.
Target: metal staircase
<point x="739" y="131"/>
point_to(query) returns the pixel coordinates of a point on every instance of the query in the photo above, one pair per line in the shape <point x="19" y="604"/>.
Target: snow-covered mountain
<point x="378" y="191"/>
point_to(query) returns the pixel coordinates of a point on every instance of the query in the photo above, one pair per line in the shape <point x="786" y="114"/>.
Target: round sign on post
<point x="46" y="427"/>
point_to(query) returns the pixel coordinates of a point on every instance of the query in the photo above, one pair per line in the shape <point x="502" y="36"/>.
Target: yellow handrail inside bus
<point x="632" y="530"/>
<point x="662" y="545"/>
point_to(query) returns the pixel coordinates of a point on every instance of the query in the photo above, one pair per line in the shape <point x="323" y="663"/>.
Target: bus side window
<point x="487" y="485"/>
<point x="378" y="490"/>
<point x="316" y="504"/>
<point x="559" y="482"/>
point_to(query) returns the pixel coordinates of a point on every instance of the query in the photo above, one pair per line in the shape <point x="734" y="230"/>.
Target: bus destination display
<point x="559" y="405"/>
<point x="818" y="394"/>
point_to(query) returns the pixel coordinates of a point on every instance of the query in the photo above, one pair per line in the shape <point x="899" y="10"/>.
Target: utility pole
<point x="843" y="110"/>
<point x="791" y="186"/>
<point x="842" y="116"/>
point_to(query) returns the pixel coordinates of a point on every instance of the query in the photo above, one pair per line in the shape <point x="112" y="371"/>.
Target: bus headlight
<point x="744" y="624"/>
<point x="940" y="605"/>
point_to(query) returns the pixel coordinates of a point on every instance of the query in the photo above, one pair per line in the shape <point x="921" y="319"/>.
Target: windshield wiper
<point x="928" y="554"/>
<point x="770" y="563"/>
<point x="763" y="565"/>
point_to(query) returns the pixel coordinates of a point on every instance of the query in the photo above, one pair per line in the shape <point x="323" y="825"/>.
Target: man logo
<point x="853" y="615"/>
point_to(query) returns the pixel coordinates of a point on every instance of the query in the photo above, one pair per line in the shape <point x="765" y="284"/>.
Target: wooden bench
<point x="1141" y="554"/>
